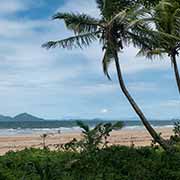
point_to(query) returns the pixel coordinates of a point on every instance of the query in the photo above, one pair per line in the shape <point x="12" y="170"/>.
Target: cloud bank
<point x="60" y="83"/>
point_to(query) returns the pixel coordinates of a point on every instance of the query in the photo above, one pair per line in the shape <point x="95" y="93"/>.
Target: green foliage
<point x="148" y="3"/>
<point x="109" y="8"/>
<point x="79" y="23"/>
<point x="166" y="39"/>
<point x="165" y="17"/>
<point x="176" y="129"/>
<point x="83" y="40"/>
<point x="93" y="139"/>
<point x="44" y="136"/>
<point x="111" y="163"/>
<point x="175" y="139"/>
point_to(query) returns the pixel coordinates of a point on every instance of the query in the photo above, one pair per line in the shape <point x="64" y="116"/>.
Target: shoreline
<point x="124" y="137"/>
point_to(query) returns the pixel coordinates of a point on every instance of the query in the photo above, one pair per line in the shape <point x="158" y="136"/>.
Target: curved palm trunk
<point x="152" y="132"/>
<point x="175" y="66"/>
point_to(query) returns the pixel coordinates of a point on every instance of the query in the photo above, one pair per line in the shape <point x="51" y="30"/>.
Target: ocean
<point x="11" y="128"/>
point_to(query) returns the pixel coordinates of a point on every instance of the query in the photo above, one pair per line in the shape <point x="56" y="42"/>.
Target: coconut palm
<point x="166" y="17"/>
<point x="114" y="31"/>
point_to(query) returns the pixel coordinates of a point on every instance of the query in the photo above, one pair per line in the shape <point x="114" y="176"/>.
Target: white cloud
<point x="171" y="104"/>
<point x="80" y="6"/>
<point x="104" y="111"/>
<point x="98" y="89"/>
<point x="143" y="87"/>
<point x="11" y="6"/>
<point x="27" y="30"/>
<point x="162" y="108"/>
<point x="130" y="64"/>
<point x="30" y="74"/>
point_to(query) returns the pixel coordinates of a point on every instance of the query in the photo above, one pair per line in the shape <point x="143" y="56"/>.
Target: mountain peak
<point x="5" y="118"/>
<point x="24" y="114"/>
<point x="26" y="117"/>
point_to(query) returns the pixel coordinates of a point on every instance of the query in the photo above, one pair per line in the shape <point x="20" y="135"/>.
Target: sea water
<point x="40" y="127"/>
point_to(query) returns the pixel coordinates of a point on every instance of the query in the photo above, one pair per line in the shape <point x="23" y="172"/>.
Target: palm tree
<point x="166" y="17"/>
<point x="114" y="30"/>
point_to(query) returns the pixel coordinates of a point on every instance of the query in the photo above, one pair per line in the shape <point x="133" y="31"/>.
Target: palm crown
<point x="166" y="18"/>
<point x="114" y="30"/>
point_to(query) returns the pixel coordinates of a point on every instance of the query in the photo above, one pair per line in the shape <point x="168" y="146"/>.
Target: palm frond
<point x="176" y="22"/>
<point x="140" y="42"/>
<point x="100" y="4"/>
<point x="118" y="125"/>
<point x="164" y="4"/>
<point x="78" y="41"/>
<point x="113" y="7"/>
<point x="166" y="36"/>
<point x="79" y="23"/>
<point x="136" y="22"/>
<point x="151" y="54"/>
<point x="107" y="59"/>
<point x="142" y="36"/>
<point x="128" y="19"/>
<point x="118" y="17"/>
<point x="83" y="126"/>
<point x="148" y="3"/>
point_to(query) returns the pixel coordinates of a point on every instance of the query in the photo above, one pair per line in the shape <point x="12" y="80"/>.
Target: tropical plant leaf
<point x="78" y="41"/>
<point x="83" y="126"/>
<point x="100" y="4"/>
<point x="118" y="125"/>
<point x="151" y="54"/>
<point x="107" y="59"/>
<point x="79" y="23"/>
<point x="118" y="17"/>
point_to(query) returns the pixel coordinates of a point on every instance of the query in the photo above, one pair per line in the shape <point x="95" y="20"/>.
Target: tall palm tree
<point x="166" y="17"/>
<point x="114" y="30"/>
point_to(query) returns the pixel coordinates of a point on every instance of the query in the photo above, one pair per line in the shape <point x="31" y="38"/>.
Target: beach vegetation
<point x="94" y="161"/>
<point x="110" y="163"/>
<point x="92" y="139"/>
<point x="175" y="139"/>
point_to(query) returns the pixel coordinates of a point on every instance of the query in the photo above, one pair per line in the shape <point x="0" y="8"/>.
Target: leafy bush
<point x="177" y="129"/>
<point x="94" y="138"/>
<point x="175" y="139"/>
<point x="111" y="163"/>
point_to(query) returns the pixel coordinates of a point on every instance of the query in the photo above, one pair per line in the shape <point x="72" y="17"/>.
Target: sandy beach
<point x="122" y="137"/>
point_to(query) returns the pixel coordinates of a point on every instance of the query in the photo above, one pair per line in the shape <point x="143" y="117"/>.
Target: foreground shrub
<point x="111" y="163"/>
<point x="93" y="139"/>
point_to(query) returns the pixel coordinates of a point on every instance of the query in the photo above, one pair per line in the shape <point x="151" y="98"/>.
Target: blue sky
<point x="59" y="83"/>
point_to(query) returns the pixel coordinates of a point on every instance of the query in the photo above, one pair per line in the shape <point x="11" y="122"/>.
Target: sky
<point x="59" y="83"/>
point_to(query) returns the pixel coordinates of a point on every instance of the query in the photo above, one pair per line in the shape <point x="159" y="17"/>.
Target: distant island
<point x="31" y="118"/>
<point x="21" y="117"/>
